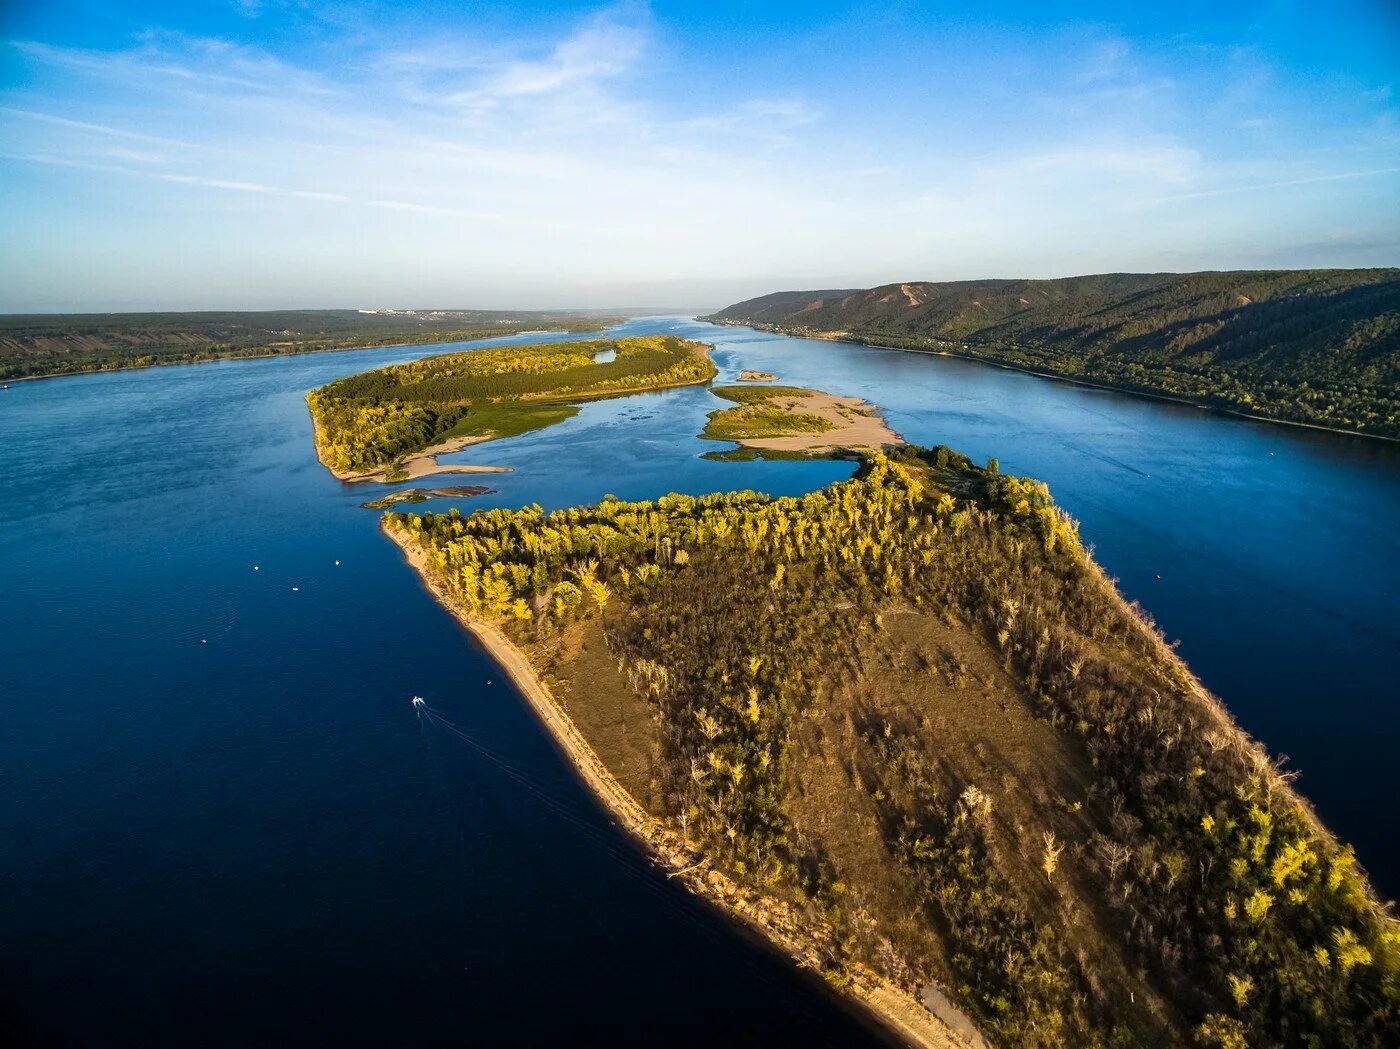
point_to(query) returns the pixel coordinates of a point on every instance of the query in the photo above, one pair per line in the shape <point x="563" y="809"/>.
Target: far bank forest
<point x="1320" y="347"/>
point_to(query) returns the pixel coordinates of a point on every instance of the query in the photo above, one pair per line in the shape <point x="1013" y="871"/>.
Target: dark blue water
<point x="223" y="822"/>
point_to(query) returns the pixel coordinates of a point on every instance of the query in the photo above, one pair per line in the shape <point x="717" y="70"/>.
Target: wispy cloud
<point x="602" y="142"/>
<point x="1259" y="187"/>
<point x="607" y="47"/>
<point x="84" y="125"/>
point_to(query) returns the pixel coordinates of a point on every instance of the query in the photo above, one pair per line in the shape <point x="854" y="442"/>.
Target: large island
<point x="906" y="727"/>
<point x="390" y="424"/>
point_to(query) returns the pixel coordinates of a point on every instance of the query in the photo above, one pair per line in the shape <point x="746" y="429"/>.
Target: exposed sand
<point x="420" y="464"/>
<point x="894" y="1007"/>
<point x="856" y="426"/>
<point x="749" y="375"/>
<point x="424" y="463"/>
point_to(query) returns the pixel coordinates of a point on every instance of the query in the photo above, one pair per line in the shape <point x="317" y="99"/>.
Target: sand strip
<point x="420" y="464"/>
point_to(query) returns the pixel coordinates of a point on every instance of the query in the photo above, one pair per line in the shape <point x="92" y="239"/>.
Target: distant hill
<point x="1311" y="346"/>
<point x="39" y="344"/>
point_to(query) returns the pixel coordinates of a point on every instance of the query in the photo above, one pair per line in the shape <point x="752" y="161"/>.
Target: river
<point x="225" y="824"/>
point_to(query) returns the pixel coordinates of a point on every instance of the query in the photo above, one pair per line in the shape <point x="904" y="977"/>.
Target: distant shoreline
<point x="390" y="345"/>
<point x="891" y="1007"/>
<point x="855" y="340"/>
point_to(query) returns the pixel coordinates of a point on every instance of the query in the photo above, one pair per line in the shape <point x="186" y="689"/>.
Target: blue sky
<point x="262" y="154"/>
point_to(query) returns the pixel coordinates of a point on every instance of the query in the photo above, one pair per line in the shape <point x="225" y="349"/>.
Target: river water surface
<point x="224" y="824"/>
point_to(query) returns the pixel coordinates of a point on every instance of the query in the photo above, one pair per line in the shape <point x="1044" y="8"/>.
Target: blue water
<point x="223" y="822"/>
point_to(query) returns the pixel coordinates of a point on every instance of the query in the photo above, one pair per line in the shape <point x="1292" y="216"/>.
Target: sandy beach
<point x="425" y="464"/>
<point x="420" y="464"/>
<point x="856" y="425"/>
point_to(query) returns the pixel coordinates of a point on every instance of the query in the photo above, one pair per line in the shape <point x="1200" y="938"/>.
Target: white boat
<point x="418" y="701"/>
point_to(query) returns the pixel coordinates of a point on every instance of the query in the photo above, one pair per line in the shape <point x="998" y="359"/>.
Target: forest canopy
<point x="1142" y="875"/>
<point x="37" y="344"/>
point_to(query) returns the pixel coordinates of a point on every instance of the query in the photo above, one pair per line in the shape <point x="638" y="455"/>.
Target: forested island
<point x="35" y="345"/>
<point x="905" y="725"/>
<point x="1320" y="347"/>
<point x="367" y="424"/>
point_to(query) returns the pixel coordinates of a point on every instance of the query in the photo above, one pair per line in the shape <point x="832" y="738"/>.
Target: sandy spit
<point x="856" y="425"/>
<point x="420" y="464"/>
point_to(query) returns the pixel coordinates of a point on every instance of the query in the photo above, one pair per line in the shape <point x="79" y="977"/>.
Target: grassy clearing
<point x="757" y="421"/>
<point x="510" y="419"/>
<point x="758" y="415"/>
<point x="757" y="394"/>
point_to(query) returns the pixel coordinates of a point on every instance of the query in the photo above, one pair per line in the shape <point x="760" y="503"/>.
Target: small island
<point x="787" y="422"/>
<point x="422" y="495"/>
<point x="749" y="375"/>
<point x="392" y="423"/>
<point x="909" y="730"/>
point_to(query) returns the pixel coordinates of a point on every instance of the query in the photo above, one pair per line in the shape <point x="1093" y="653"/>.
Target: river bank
<point x="257" y="355"/>
<point x="852" y="339"/>
<point x="891" y="1006"/>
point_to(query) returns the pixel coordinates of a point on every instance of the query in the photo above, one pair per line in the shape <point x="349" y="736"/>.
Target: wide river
<point x="223" y="823"/>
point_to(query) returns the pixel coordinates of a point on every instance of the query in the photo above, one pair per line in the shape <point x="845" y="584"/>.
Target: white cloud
<point x="479" y="158"/>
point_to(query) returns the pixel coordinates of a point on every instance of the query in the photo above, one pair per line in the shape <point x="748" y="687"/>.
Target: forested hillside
<point x="63" y="343"/>
<point x="1312" y="346"/>
<point x="912" y="708"/>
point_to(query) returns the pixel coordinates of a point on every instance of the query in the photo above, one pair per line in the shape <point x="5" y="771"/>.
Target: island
<point x="390" y="424"/>
<point x="422" y="495"/>
<point x="908" y="729"/>
<point x="1310" y="347"/>
<point x="789" y="422"/>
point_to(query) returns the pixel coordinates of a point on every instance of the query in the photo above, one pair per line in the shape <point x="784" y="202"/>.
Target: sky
<point x="257" y="154"/>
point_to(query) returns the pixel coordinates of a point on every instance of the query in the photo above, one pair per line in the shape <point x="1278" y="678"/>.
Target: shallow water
<point x="225" y="823"/>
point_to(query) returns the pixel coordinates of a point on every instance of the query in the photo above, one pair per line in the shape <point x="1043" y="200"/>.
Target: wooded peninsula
<point x="1319" y="347"/>
<point x="368" y="423"/>
<point x="907" y="726"/>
